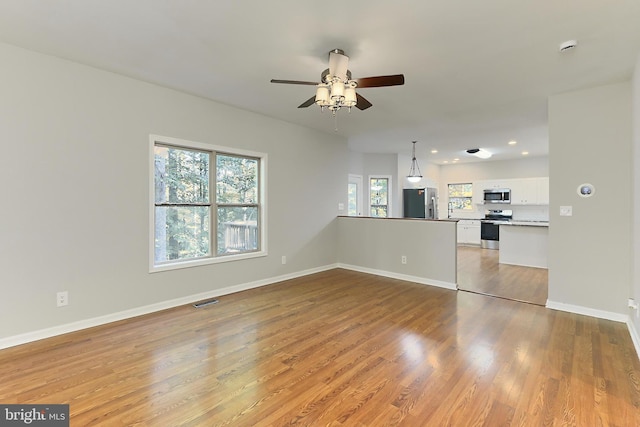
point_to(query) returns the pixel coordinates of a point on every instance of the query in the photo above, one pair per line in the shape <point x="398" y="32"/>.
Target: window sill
<point x="204" y="261"/>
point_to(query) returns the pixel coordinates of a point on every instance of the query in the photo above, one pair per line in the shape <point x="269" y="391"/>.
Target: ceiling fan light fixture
<point x="337" y="89"/>
<point x="414" y="172"/>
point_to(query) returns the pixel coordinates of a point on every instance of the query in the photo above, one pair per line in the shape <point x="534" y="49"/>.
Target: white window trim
<point x="389" y="195"/>
<point x="153" y="139"/>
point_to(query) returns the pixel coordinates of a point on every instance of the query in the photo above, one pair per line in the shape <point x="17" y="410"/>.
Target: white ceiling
<point x="477" y="74"/>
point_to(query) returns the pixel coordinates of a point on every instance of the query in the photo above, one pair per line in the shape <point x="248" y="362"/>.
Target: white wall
<point x="376" y="245"/>
<point x="590" y="252"/>
<point x="635" y="291"/>
<point x="75" y="191"/>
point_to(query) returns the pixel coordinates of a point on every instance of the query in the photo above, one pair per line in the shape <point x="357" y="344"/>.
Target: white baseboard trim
<point x="399" y="276"/>
<point x="151" y="308"/>
<point x="635" y="337"/>
<point x="578" y="309"/>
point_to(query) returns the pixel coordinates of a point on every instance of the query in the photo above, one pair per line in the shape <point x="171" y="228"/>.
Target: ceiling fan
<point x="337" y="89"/>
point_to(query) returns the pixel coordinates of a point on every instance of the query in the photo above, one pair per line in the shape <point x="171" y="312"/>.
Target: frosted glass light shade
<point x="337" y="91"/>
<point x="350" y="98"/>
<point x="322" y="95"/>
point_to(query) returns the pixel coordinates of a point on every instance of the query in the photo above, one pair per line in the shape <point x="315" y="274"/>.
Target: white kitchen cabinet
<point x="469" y="232"/>
<point x="543" y="191"/>
<point x="529" y="191"/>
<point x="495" y="184"/>
<point x="524" y="191"/>
<point x="478" y="192"/>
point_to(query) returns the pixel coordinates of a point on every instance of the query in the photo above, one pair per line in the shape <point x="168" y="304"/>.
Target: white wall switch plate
<point x="340" y="206"/>
<point x="566" y="210"/>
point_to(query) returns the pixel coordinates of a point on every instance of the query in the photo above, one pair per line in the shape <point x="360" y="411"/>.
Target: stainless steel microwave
<point x="497" y="195"/>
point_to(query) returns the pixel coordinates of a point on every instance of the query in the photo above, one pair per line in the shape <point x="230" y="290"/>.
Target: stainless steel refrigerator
<point x="420" y="203"/>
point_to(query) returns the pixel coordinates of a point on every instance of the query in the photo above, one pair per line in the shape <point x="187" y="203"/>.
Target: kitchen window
<point x="207" y="204"/>
<point x="379" y="196"/>
<point x="460" y="197"/>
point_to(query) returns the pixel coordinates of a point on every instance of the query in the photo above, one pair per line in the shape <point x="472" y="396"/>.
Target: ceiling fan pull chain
<point x="335" y="120"/>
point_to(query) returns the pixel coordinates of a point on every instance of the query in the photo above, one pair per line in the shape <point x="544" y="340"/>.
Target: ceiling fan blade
<point x="294" y="82"/>
<point x="380" y="81"/>
<point x="308" y="102"/>
<point x="362" y="104"/>
<point x="338" y="64"/>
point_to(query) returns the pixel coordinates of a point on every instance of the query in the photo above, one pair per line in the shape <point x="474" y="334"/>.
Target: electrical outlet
<point x="62" y="298"/>
<point x="404" y="259"/>
<point x="284" y="259"/>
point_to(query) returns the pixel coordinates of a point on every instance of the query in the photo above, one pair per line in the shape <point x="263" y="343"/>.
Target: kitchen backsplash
<point x="530" y="213"/>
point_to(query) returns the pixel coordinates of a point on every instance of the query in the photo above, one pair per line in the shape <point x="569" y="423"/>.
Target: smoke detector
<point x="568" y="45"/>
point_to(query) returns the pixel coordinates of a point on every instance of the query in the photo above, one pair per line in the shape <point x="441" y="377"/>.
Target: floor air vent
<point x="205" y="303"/>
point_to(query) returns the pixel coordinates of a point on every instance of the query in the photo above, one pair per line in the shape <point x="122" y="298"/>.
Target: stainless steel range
<point x="490" y="227"/>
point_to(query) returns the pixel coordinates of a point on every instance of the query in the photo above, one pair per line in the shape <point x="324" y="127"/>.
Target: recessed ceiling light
<point x="513" y="142"/>
<point x="446" y="161"/>
<point x="525" y="153"/>
<point x="434" y="151"/>
<point x="455" y="160"/>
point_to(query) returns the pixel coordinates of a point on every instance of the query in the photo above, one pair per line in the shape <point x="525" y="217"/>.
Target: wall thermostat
<point x="586" y="190"/>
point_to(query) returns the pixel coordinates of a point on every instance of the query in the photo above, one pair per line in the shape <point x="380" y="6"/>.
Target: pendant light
<point x="414" y="173"/>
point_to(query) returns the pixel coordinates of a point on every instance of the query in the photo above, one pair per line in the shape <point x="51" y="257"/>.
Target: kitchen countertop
<point x="506" y="222"/>
<point x="527" y="223"/>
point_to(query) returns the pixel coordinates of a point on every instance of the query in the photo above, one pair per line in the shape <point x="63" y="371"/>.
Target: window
<point x="379" y="197"/>
<point x="460" y="196"/>
<point x="354" y="195"/>
<point x="193" y="225"/>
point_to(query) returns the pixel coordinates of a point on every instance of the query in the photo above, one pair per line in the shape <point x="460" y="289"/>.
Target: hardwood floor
<point x="337" y="348"/>
<point x="479" y="271"/>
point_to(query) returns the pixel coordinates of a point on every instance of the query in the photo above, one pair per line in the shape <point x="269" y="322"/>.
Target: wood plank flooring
<point x="479" y="271"/>
<point x="337" y="348"/>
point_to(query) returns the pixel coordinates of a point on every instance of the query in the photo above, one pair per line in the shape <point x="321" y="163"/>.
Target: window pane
<point x="181" y="232"/>
<point x="378" y="191"/>
<point x="379" y="211"/>
<point x="460" y="196"/>
<point x="237" y="229"/>
<point x="460" y="190"/>
<point x="353" y="199"/>
<point x="181" y="176"/>
<point x="237" y="180"/>
<point x="461" y="203"/>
